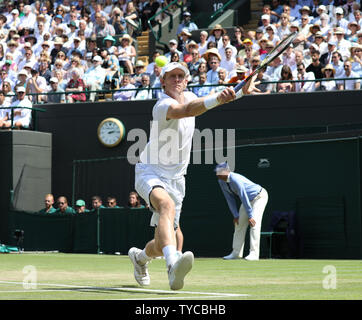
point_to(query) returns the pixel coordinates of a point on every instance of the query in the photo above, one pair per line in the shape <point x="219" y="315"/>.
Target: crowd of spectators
<point x="50" y="51"/>
<point x="328" y="46"/>
<point x="62" y="206"/>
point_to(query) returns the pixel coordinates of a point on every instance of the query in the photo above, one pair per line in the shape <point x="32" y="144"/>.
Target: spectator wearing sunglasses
<point x="63" y="206"/>
<point x="112" y="202"/>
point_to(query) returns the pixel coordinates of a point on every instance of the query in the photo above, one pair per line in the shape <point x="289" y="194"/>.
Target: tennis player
<point x="159" y="176"/>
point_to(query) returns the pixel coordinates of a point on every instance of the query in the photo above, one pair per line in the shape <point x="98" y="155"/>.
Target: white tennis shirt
<point x="169" y="146"/>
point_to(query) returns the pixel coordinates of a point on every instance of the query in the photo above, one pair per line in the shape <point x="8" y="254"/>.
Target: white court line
<point x="211" y="294"/>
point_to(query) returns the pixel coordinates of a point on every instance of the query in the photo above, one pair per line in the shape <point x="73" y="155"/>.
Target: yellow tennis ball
<point x="161" y="61"/>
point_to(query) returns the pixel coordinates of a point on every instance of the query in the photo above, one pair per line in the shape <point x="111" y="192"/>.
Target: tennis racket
<point x="278" y="50"/>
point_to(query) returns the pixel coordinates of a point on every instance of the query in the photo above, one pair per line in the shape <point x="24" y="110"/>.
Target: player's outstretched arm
<point x="201" y="105"/>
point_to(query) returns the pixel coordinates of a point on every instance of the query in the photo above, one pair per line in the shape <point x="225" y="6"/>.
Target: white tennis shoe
<point x="252" y="257"/>
<point x="140" y="271"/>
<point x="178" y="271"/>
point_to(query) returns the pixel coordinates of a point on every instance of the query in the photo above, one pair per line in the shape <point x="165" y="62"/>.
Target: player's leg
<point x="165" y="239"/>
<point x="179" y="240"/>
<point x="169" y="209"/>
<point x="145" y="181"/>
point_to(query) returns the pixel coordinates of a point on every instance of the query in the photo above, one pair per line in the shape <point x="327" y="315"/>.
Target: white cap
<point x="20" y="89"/>
<point x="15" y="11"/>
<point x="22" y="72"/>
<point x="339" y="10"/>
<point x="314" y="46"/>
<point x="265" y="17"/>
<point x="97" y="58"/>
<point x="173" y="41"/>
<point x="172" y="66"/>
<point x="54" y="79"/>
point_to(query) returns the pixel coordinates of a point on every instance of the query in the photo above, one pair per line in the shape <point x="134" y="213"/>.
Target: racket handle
<point x="239" y="86"/>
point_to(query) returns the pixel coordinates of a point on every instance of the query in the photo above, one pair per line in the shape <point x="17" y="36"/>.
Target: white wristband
<point x="239" y="94"/>
<point x="211" y="101"/>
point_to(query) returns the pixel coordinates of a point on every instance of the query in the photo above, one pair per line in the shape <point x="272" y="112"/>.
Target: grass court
<point x="59" y="276"/>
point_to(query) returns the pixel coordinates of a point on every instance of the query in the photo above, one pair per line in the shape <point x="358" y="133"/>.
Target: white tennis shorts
<point x="146" y="179"/>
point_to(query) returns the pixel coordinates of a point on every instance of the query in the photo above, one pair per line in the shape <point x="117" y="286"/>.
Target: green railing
<point x="34" y="119"/>
<point x="108" y="94"/>
<point x="158" y="35"/>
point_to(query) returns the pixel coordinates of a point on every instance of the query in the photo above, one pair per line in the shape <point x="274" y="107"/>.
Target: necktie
<point x="302" y="81"/>
<point x="228" y="184"/>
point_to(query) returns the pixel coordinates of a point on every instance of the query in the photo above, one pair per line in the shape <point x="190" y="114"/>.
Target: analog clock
<point x="110" y="132"/>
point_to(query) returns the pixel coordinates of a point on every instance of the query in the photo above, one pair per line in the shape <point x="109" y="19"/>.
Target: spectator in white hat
<point x="55" y="93"/>
<point x="326" y="58"/>
<point x="12" y="48"/>
<point x="22" y="117"/>
<point x="338" y="20"/>
<point x="319" y="11"/>
<point x="187" y="23"/>
<point x="94" y="77"/>
<point x="184" y="39"/>
<point x="126" y="53"/>
<point x="265" y="21"/>
<point x="343" y="45"/>
<point x="13" y="20"/>
<point x="320" y="41"/>
<point x="172" y="46"/>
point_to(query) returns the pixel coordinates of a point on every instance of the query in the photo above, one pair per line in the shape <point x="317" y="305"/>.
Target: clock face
<point x="110" y="132"/>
